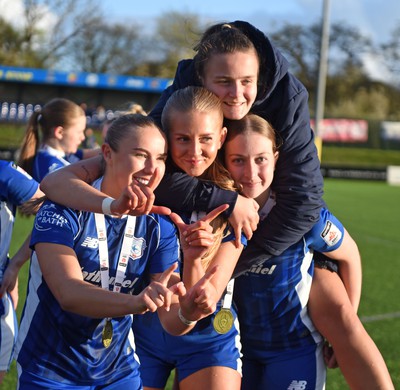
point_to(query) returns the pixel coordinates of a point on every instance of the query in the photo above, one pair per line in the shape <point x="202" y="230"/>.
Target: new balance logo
<point x="90" y="242"/>
<point x="297" y="385"/>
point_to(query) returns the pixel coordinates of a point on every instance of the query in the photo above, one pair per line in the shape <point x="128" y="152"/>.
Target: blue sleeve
<point x="230" y="236"/>
<point x="55" y="224"/>
<point x="327" y="234"/>
<point x="71" y="158"/>
<point x="16" y="186"/>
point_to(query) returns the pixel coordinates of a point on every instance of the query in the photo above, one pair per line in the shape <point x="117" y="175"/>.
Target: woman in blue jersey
<point x="280" y="344"/>
<point x="16" y="188"/>
<point x="90" y="272"/>
<point x="52" y="138"/>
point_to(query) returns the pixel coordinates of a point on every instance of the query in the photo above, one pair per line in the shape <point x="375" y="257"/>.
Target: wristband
<point x="106" y="206"/>
<point x="184" y="320"/>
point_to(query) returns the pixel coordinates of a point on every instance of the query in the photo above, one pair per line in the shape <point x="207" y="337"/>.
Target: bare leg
<point x="358" y="357"/>
<point x="212" y="378"/>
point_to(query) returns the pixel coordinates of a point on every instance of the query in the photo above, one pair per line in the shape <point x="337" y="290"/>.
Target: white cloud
<point x="13" y="12"/>
<point x="376" y="68"/>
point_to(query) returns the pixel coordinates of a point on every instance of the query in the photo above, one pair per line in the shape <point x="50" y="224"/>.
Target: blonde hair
<point x="201" y="100"/>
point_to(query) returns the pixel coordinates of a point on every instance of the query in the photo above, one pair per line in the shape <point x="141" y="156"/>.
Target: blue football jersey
<point x="49" y="159"/>
<point x="16" y="187"/>
<point x="271" y="298"/>
<point x="66" y="347"/>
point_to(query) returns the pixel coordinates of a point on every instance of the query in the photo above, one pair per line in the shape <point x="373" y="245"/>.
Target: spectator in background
<point x="131" y="108"/>
<point x="90" y="141"/>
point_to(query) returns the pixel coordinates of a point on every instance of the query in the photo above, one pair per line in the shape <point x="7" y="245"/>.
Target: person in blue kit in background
<point x="76" y="324"/>
<point x="16" y="188"/>
<point x="281" y="347"/>
<point x="52" y="138"/>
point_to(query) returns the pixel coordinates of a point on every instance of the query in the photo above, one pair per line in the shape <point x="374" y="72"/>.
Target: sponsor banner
<point x="81" y="79"/>
<point x="390" y="131"/>
<point x="342" y="130"/>
<point x="354" y="173"/>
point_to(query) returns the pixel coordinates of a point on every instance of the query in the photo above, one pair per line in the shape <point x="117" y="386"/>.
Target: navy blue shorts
<point x="294" y="369"/>
<point x="159" y="352"/>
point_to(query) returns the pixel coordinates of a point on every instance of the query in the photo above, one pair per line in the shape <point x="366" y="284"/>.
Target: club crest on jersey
<point x="138" y="247"/>
<point x="331" y="233"/>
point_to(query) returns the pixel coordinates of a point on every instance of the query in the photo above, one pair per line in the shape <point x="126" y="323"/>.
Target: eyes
<point x="145" y="156"/>
<point x="244" y="82"/>
<point x="185" y="139"/>
<point x="260" y="160"/>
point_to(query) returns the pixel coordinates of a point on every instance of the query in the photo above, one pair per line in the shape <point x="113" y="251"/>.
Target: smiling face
<point x="194" y="140"/>
<point x="140" y="152"/>
<point x="250" y="159"/>
<point x="233" y="78"/>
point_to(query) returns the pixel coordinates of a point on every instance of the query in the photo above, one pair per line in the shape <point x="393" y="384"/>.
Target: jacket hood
<point x="273" y="65"/>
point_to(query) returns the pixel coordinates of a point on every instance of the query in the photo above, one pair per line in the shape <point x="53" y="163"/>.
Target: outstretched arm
<point x="70" y="187"/>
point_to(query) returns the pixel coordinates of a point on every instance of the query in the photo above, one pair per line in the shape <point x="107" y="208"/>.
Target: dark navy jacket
<point x="298" y="183"/>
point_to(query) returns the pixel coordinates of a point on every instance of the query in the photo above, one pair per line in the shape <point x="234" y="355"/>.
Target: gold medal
<point x="223" y="321"/>
<point x="107" y="333"/>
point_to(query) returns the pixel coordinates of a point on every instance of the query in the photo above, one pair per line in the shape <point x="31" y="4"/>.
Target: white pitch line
<point x="380" y="317"/>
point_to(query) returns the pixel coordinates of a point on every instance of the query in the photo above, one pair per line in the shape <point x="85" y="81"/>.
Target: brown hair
<point x="252" y="123"/>
<point x="220" y="38"/>
<point x="122" y="126"/>
<point x="57" y="112"/>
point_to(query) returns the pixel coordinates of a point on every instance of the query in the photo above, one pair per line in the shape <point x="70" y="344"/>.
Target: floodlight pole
<point x="323" y="65"/>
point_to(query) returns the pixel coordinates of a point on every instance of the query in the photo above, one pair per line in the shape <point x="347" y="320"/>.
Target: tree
<point x="300" y="45"/>
<point x="173" y="40"/>
<point x="48" y="28"/>
<point x="106" y="48"/>
<point x="391" y="54"/>
<point x="349" y="47"/>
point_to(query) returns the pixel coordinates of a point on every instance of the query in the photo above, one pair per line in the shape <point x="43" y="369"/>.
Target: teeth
<point x="143" y="181"/>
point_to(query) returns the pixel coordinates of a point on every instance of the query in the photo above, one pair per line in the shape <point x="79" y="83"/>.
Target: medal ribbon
<point x="228" y="295"/>
<point x="123" y="256"/>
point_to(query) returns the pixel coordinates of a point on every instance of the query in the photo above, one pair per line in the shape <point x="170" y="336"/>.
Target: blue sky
<point x="375" y="18"/>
